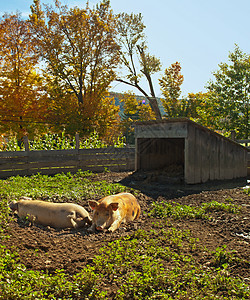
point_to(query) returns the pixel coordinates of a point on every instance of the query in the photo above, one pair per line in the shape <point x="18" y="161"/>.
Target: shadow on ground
<point x="154" y="184"/>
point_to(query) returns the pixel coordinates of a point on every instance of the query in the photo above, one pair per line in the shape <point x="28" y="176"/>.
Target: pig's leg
<point x="115" y="225"/>
<point x="82" y="222"/>
<point x="31" y="218"/>
<point x="88" y="220"/>
<point x="71" y="218"/>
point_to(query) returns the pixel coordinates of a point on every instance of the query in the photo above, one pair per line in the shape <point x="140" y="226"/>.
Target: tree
<point x="23" y="104"/>
<point x="171" y="89"/>
<point x="81" y="55"/>
<point x="134" y="110"/>
<point x="231" y="87"/>
<point x="134" y="50"/>
<point x="205" y="109"/>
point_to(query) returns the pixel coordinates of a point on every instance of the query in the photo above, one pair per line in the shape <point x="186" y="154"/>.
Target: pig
<point x="58" y="215"/>
<point x="111" y="211"/>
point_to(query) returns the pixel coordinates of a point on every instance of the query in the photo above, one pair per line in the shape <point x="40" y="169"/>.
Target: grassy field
<point x="153" y="263"/>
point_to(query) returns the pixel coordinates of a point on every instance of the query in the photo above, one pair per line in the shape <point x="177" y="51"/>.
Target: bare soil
<point x="44" y="248"/>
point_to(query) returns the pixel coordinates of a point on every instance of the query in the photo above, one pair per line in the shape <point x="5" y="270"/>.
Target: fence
<point x="50" y="162"/>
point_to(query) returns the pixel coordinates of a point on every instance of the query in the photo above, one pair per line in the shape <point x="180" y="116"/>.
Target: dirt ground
<point x="43" y="248"/>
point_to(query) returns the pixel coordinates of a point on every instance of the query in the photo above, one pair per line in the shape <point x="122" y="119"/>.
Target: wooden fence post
<point x="233" y="135"/>
<point x="26" y="143"/>
<point x="77" y="141"/>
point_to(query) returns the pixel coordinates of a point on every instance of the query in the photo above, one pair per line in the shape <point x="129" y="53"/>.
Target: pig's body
<point x="111" y="211"/>
<point x="58" y="215"/>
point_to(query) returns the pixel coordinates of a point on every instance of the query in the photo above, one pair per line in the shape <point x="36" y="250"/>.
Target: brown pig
<point x="111" y="211"/>
<point x="58" y="215"/>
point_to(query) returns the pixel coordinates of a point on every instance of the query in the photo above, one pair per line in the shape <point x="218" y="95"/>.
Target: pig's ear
<point x="114" y="206"/>
<point x="93" y="204"/>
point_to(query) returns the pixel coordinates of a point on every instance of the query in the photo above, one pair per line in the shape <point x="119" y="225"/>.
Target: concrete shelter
<point x="204" y="154"/>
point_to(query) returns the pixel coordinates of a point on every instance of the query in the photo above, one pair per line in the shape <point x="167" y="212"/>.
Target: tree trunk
<point x="155" y="107"/>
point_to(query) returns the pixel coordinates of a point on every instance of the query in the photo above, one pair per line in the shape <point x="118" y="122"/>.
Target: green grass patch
<point x="145" y="265"/>
<point x="61" y="186"/>
<point x="179" y="211"/>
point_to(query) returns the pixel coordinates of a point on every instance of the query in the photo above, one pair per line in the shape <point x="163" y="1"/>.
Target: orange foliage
<point x="81" y="54"/>
<point x="23" y="104"/>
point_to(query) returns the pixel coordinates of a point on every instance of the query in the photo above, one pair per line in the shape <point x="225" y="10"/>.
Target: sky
<point x="198" y="34"/>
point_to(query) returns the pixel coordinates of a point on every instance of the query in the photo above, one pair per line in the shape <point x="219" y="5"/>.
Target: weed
<point x="223" y="258"/>
<point x="247" y="190"/>
<point x="4" y="213"/>
<point x="216" y="206"/>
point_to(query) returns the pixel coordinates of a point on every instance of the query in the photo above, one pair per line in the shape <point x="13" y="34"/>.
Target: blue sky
<point x="198" y="34"/>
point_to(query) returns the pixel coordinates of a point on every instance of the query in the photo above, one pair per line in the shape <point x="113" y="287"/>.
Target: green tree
<point x="174" y="105"/>
<point x="231" y="87"/>
<point x="204" y="109"/>
<point x="135" y="59"/>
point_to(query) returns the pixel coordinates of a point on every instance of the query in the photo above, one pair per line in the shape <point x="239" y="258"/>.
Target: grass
<point x="61" y="187"/>
<point x="157" y="264"/>
<point x="140" y="266"/>
<point x="179" y="211"/>
<point x="247" y="190"/>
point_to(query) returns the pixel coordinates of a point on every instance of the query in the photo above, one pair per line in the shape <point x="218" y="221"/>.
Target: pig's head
<point x="13" y="205"/>
<point x="103" y="215"/>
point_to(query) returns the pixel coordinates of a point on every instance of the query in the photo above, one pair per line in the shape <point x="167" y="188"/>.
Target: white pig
<point x="58" y="215"/>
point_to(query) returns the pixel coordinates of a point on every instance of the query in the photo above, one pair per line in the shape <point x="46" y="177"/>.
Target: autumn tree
<point x="135" y="58"/>
<point x="81" y="55"/>
<point x="134" y="109"/>
<point x="231" y="88"/>
<point x="170" y="84"/>
<point x="23" y="104"/>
